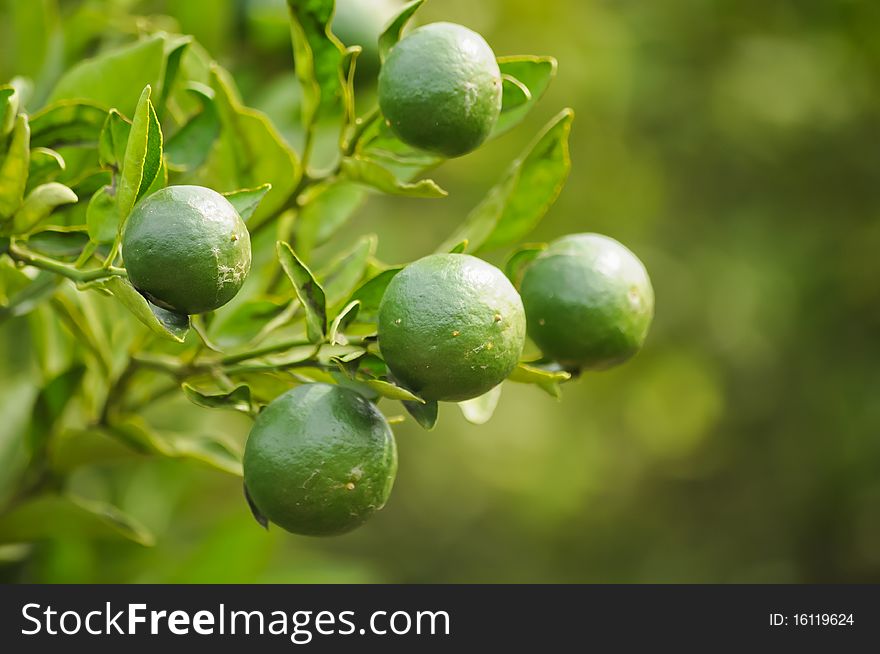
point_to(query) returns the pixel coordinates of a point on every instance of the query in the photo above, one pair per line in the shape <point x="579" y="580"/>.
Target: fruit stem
<point x="20" y="253"/>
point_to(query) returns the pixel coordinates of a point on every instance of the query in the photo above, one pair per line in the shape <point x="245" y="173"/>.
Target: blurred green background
<point x="735" y="147"/>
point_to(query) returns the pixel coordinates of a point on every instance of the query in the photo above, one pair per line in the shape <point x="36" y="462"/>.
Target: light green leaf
<point x="369" y="173"/>
<point x="143" y="157"/>
<point x="48" y="515"/>
<point x="190" y="146"/>
<point x="60" y="243"/>
<point x="49" y="405"/>
<point x="102" y="216"/>
<point x="326" y="208"/>
<point x="9" y="102"/>
<point x="249" y="152"/>
<point x="247" y="200"/>
<point x="341" y="321"/>
<point x="67" y="122"/>
<point x="342" y="275"/>
<point x="515" y="205"/>
<point x="14" y="169"/>
<point x="308" y="290"/>
<point x="535" y="75"/>
<point x="165" y="323"/>
<point x="238" y="399"/>
<point x="425" y="413"/>
<point x="545" y="379"/>
<point x="175" y="47"/>
<point x="391" y="391"/>
<point x="389" y="38"/>
<point x="39" y="204"/>
<point x="114" y="79"/>
<point x="44" y="166"/>
<point x="317" y="56"/>
<point x="241" y="323"/>
<point x="371" y="292"/>
<point x="113" y="140"/>
<point x="479" y="410"/>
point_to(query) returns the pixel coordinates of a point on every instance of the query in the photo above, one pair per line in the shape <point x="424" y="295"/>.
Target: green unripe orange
<point x="451" y="327"/>
<point x="186" y="249"/>
<point x="588" y="301"/>
<point x="440" y="89"/>
<point x="320" y="460"/>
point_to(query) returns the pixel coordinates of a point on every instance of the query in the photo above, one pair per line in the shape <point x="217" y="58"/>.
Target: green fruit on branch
<point x="588" y="301"/>
<point x="320" y="460"/>
<point x="451" y="327"/>
<point x="186" y="249"/>
<point x="440" y="89"/>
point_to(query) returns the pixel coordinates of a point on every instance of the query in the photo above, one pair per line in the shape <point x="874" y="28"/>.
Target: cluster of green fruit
<point x="321" y="458"/>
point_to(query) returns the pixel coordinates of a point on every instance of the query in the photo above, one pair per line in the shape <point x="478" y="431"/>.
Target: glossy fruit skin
<point x="440" y="89"/>
<point x="589" y="302"/>
<point x="186" y="249"/>
<point x="320" y="460"/>
<point x="451" y="327"/>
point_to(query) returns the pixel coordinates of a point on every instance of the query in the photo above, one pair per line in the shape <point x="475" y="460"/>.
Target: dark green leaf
<point x="458" y="249"/>
<point x="516" y="264"/>
<point x="262" y="520"/>
<point x="369" y="173"/>
<point x="39" y="204"/>
<point x="308" y="290"/>
<point x="48" y="407"/>
<point x="102" y="216"/>
<point x="67" y="122"/>
<point x="58" y="243"/>
<point x="341" y="321"/>
<point x="392" y="391"/>
<point x="238" y="399"/>
<point x="515" y="205"/>
<point x="317" y="56"/>
<point x="143" y="157"/>
<point x="243" y="322"/>
<point x="113" y="140"/>
<point x="535" y="74"/>
<point x="175" y="47"/>
<point x="389" y="38"/>
<point x="14" y="169"/>
<point x="247" y="200"/>
<point x="479" y="410"/>
<point x="191" y="145"/>
<point x="371" y="292"/>
<point x="425" y="414"/>
<point x="325" y="210"/>
<point x="165" y="323"/>
<point x="342" y="275"/>
<point x="115" y="79"/>
<point x="545" y="379"/>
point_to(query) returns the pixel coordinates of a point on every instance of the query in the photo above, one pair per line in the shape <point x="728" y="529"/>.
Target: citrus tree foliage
<point x="76" y="158"/>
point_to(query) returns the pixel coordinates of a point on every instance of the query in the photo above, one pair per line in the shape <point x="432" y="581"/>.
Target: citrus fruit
<point x="451" y="327"/>
<point x="186" y="249"/>
<point x="320" y="460"/>
<point x="440" y="89"/>
<point x="589" y="301"/>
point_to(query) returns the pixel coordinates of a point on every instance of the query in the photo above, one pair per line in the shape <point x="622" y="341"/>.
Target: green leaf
<point x="389" y="38"/>
<point x="458" y="249"/>
<point x="247" y="200"/>
<point x="479" y="410"/>
<point x="341" y="321"/>
<point x="113" y="140"/>
<point x="49" y="515"/>
<point x="14" y="169"/>
<point x="308" y="290"/>
<point x="515" y="205"/>
<point x="102" y="216"/>
<point x="39" y="204"/>
<point x="44" y="167"/>
<point x="342" y="275"/>
<point x="317" y="56"/>
<point x="9" y="102"/>
<point x="67" y="122"/>
<point x="425" y="414"/>
<point x="30" y="297"/>
<point x="371" y="292"/>
<point x="326" y="208"/>
<point x="242" y="322"/>
<point x="369" y="173"/>
<point x="143" y="157"/>
<point x="174" y="49"/>
<point x="249" y="152"/>
<point x="533" y="73"/>
<point x="547" y="380"/>
<point x="514" y="92"/>
<point x="115" y="78"/>
<point x="191" y="145"/>
<point x="165" y="323"/>
<point x="238" y="399"/>
<point x="392" y="391"/>
<point x="49" y="406"/>
<point x="62" y="244"/>
<point x="516" y="264"/>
